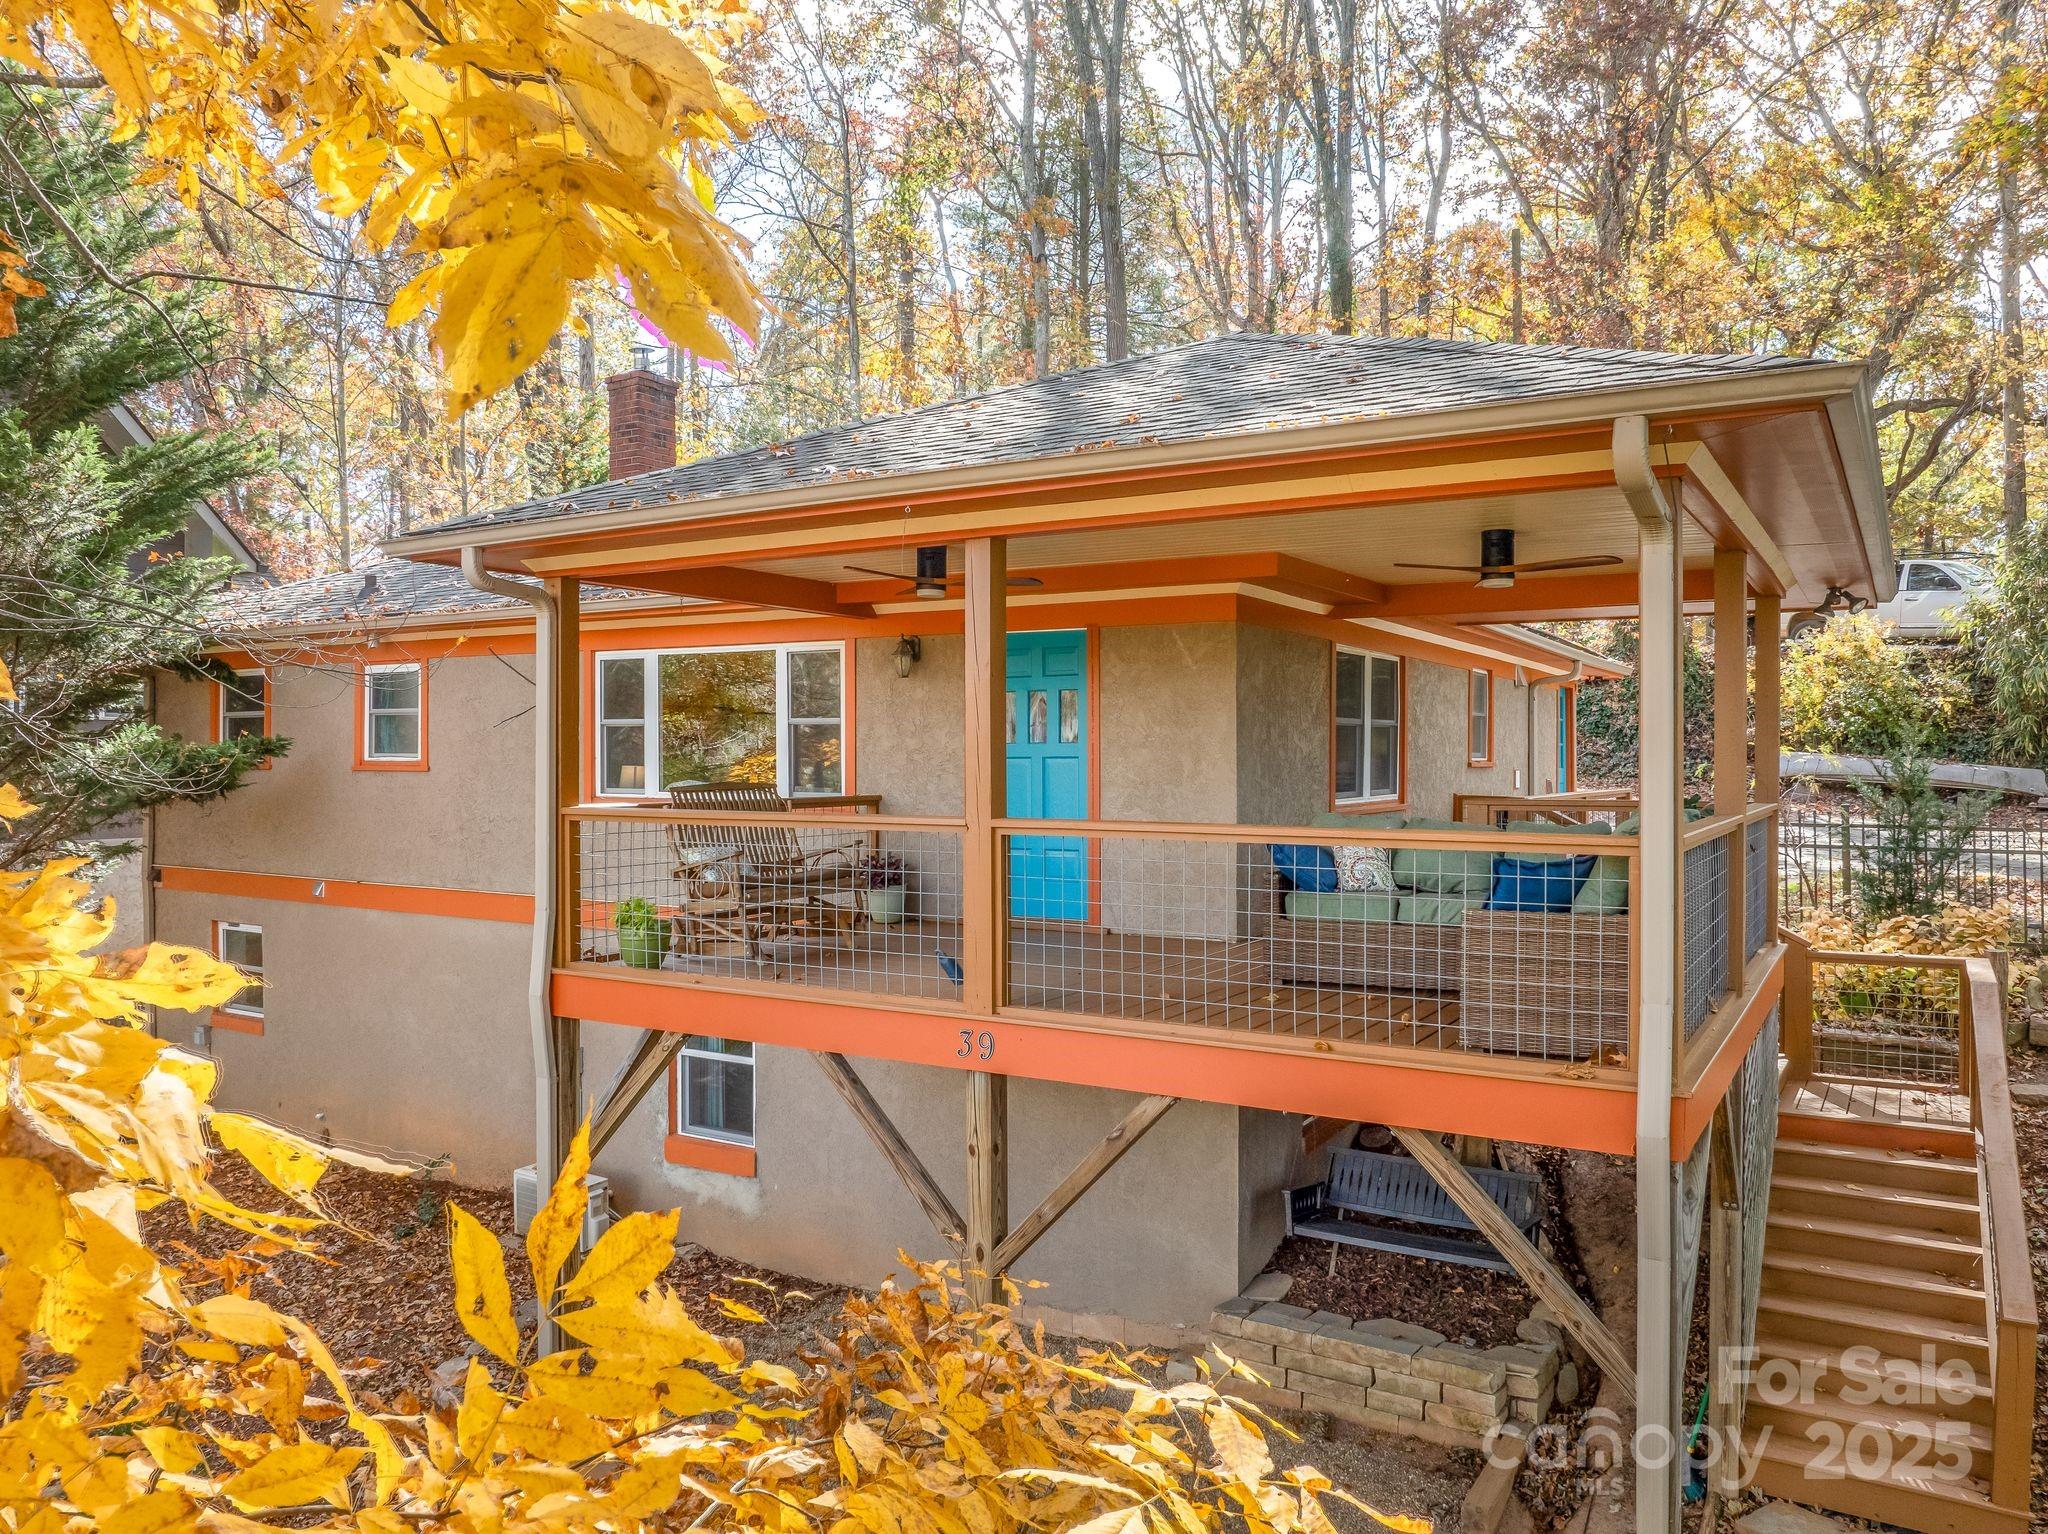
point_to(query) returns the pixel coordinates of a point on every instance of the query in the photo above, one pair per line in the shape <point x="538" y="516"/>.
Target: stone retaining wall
<point x="1383" y="1374"/>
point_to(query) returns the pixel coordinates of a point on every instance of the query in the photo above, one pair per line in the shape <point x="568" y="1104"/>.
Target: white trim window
<point x="746" y="713"/>
<point x="392" y="713"/>
<point x="1479" y="719"/>
<point x="715" y="1090"/>
<point x="240" y="944"/>
<point x="1367" y="726"/>
<point x="242" y="706"/>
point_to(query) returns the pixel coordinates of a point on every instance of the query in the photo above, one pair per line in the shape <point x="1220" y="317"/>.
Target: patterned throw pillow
<point x="1363" y="868"/>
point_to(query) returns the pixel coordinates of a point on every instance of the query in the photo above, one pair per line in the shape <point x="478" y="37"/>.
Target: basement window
<point x="241" y="945"/>
<point x="715" y="1089"/>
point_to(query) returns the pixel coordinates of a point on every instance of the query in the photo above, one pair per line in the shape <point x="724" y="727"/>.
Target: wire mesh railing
<point x="1825" y="857"/>
<point x="1756" y="885"/>
<point x="1705" y="935"/>
<point x="1511" y="942"/>
<point x="861" y="903"/>
<point x="1890" y="1017"/>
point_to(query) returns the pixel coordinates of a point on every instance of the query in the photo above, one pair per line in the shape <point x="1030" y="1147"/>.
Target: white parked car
<point x="1931" y="594"/>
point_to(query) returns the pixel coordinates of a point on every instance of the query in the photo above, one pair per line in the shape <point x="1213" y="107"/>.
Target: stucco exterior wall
<point x="1158" y="1239"/>
<point x="464" y="823"/>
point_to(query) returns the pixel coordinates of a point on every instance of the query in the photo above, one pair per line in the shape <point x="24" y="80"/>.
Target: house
<point x="1152" y="758"/>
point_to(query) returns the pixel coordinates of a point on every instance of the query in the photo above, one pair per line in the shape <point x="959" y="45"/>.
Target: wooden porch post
<point x="984" y="918"/>
<point x="1768" y="788"/>
<point x="1660" y="584"/>
<point x="1731" y="737"/>
<point x="988" y="1180"/>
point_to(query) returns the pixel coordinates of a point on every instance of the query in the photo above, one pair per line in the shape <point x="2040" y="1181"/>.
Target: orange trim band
<point x="235" y="1022"/>
<point x="1539" y="1110"/>
<point x="708" y="1155"/>
<point x="350" y="894"/>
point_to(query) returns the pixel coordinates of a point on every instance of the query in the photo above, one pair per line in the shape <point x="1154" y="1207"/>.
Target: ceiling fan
<point x="1497" y="567"/>
<point x="931" y="580"/>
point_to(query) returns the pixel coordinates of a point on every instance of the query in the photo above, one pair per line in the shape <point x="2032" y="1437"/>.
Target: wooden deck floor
<point x="1876" y="1103"/>
<point x="1214" y="983"/>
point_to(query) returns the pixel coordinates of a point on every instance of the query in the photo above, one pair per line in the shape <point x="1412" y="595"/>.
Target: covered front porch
<point x="1172" y="899"/>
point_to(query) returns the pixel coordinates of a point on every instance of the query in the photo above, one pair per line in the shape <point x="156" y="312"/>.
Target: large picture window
<point x="769" y="714"/>
<point x="1367" y="726"/>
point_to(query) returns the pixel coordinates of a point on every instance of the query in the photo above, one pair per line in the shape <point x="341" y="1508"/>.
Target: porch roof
<point x="1238" y="385"/>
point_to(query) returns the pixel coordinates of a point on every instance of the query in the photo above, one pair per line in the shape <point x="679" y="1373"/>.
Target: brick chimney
<point x="643" y="422"/>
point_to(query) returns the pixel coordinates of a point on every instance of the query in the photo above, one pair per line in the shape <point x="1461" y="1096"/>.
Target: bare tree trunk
<point x="1030" y="154"/>
<point x="2012" y="403"/>
<point x="1084" y="295"/>
<point x="344" y="514"/>
<point x="1332" y="108"/>
<point x="849" y="264"/>
<point x="1098" y="44"/>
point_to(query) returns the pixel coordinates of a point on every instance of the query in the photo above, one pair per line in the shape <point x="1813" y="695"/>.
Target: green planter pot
<point x="884" y="906"/>
<point x="643" y="947"/>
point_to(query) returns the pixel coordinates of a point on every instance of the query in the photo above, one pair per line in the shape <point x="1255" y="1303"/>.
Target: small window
<point x="622" y="711"/>
<point x="715" y="1089"/>
<point x="1367" y="726"/>
<point x="1479" y="719"/>
<point x="243" y="705"/>
<point x="1925" y="577"/>
<point x="241" y="945"/>
<point x="392" y="716"/>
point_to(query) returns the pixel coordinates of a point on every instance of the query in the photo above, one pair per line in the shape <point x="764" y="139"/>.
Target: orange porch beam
<point x="757" y="588"/>
<point x="1530" y="600"/>
<point x="1244" y="1070"/>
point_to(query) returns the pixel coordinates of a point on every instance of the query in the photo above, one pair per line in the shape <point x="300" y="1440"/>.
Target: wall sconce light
<point x="908" y="653"/>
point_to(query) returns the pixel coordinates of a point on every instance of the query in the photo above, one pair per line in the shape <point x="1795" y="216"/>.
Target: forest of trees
<point x="945" y="198"/>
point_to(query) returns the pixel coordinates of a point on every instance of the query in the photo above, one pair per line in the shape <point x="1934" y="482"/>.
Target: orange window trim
<point x="1485" y="758"/>
<point x="1399" y="802"/>
<point x="221" y="1017"/>
<point x="700" y="1151"/>
<point x="219" y="695"/>
<point x="364" y="761"/>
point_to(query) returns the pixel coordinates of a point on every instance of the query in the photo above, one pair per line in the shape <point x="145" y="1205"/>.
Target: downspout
<point x="1656" y="898"/>
<point x="546" y="795"/>
<point x="1529" y="724"/>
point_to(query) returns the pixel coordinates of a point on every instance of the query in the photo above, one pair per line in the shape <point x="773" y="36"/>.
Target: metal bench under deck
<point x="1383" y="1187"/>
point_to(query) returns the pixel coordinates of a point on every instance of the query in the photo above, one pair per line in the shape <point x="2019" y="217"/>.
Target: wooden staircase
<point x="1894" y="1376"/>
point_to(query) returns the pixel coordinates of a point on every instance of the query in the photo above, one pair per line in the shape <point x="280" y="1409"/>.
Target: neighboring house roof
<point x="390" y="591"/>
<point x="1233" y="385"/>
<point x="121" y="428"/>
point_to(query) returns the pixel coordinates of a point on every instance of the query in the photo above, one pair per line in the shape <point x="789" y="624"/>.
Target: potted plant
<point x="643" y="933"/>
<point x="881" y="882"/>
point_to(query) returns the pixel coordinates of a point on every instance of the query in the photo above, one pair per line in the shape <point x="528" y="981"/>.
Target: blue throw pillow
<point x="1537" y="884"/>
<point x="1310" y="869"/>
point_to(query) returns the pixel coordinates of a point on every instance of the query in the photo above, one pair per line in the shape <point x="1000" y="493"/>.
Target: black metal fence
<point x="1822" y="854"/>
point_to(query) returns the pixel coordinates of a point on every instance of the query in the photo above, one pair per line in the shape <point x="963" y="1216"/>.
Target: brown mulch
<point x="1467" y="1305"/>
<point x="383" y="1298"/>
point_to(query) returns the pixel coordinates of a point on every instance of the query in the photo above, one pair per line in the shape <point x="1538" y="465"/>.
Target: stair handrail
<point x="2014" y="1317"/>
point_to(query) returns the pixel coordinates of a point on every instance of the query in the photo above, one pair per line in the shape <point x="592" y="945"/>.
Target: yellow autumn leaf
<point x="238" y="1318"/>
<point x="293" y="1474"/>
<point x="12" y="806"/>
<point x="172" y="1448"/>
<point x="34" y="1224"/>
<point x="653" y="1326"/>
<point x="627" y="1258"/>
<point x="553" y="1431"/>
<point x="289" y="1163"/>
<point x="476" y="1418"/>
<point x="158" y="1512"/>
<point x="737" y="1310"/>
<point x="557" y="1229"/>
<point x="117" y="58"/>
<point x="483" y="1297"/>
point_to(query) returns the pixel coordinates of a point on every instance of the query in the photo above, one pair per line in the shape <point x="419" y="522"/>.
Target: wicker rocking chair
<point x="748" y="886"/>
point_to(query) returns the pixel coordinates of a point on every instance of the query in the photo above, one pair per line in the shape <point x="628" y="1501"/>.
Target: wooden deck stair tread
<point x="1879" y="1499"/>
<point x="1877" y="1161"/>
<point x="1874" y="1318"/>
<point x="1827" y="1359"/>
<point x="1851" y="1271"/>
<point x="1871" y="1230"/>
<point x="1905" y="1422"/>
<point x="1912" y="1200"/>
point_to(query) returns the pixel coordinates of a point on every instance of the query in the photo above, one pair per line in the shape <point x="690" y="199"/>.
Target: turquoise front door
<point x="1046" y="732"/>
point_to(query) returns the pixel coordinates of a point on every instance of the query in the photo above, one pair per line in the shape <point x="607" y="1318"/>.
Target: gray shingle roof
<point x="392" y="589"/>
<point x="1229" y="385"/>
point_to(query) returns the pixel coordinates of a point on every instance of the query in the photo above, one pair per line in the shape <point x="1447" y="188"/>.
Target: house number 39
<point x="980" y="1046"/>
